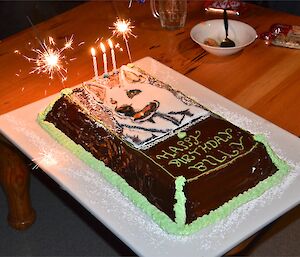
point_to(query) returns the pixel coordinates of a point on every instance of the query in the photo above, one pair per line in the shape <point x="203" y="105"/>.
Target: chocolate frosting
<point x="218" y="159"/>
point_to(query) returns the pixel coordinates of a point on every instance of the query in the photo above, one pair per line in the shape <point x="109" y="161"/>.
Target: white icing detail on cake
<point x="147" y="110"/>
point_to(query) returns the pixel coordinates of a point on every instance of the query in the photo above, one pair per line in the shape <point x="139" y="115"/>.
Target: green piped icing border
<point x="179" y="206"/>
<point x="178" y="227"/>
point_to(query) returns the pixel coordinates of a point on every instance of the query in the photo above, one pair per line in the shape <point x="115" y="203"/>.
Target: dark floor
<point x="62" y="228"/>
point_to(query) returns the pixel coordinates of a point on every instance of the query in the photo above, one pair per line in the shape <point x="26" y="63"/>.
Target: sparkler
<point x="49" y="59"/>
<point x="124" y="28"/>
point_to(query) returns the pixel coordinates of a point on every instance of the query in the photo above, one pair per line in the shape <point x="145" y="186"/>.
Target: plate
<point x="131" y="225"/>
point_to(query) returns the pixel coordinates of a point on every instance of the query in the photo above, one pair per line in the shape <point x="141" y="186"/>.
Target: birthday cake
<point x="183" y="165"/>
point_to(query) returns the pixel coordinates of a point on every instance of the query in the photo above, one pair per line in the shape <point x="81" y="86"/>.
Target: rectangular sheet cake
<point x="183" y="165"/>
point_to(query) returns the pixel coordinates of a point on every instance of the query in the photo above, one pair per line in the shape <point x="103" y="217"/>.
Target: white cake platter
<point x="130" y="224"/>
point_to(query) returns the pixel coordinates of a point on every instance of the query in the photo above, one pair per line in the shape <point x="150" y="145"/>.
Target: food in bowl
<point x="211" y="42"/>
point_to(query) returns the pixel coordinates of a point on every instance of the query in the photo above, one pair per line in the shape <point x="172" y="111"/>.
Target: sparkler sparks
<point x="117" y="46"/>
<point x="69" y="42"/>
<point x="51" y="41"/>
<point x="123" y="28"/>
<point x="50" y="59"/>
<point x="81" y="43"/>
<point x="47" y="158"/>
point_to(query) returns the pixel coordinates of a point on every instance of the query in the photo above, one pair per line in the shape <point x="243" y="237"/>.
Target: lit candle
<point x="93" y="52"/>
<point x="104" y="59"/>
<point x="113" y="57"/>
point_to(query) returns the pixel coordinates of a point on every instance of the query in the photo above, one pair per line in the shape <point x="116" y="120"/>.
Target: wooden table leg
<point x="14" y="178"/>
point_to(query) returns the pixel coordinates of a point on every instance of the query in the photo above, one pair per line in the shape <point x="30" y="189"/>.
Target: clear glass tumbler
<point x="171" y="13"/>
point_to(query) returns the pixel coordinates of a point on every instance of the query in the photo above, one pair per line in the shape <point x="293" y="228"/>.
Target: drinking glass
<point x="171" y="13"/>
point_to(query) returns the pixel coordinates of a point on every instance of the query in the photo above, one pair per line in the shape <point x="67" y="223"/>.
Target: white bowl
<point x="241" y="33"/>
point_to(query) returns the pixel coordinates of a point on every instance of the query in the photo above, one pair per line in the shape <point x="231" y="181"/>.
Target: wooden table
<point x="259" y="77"/>
<point x="263" y="79"/>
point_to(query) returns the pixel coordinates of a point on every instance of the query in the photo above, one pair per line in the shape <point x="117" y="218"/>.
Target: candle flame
<point x="102" y="46"/>
<point x="110" y="43"/>
<point x="93" y="52"/>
